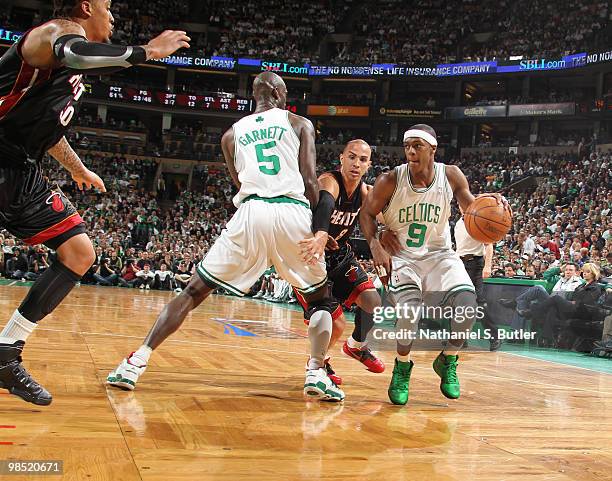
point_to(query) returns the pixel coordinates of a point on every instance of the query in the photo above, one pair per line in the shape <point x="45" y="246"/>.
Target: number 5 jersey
<point x="266" y="157"/>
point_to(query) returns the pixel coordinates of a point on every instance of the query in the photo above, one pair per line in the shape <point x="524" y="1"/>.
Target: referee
<point x="477" y="259"/>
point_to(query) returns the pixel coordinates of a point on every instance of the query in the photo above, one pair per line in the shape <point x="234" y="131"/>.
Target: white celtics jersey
<point x="266" y="157"/>
<point x="420" y="215"/>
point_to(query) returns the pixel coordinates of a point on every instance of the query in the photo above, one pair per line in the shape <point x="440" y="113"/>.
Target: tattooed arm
<point x="84" y="178"/>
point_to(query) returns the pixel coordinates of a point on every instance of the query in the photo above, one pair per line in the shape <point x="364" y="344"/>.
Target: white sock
<point x="142" y="355"/>
<point x="405" y="358"/>
<point x="354" y="344"/>
<point x="319" y="333"/>
<point x="314" y="363"/>
<point x="17" y="329"/>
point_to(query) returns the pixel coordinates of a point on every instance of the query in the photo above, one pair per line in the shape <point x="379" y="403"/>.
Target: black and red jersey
<point x="36" y="107"/>
<point x="346" y="211"/>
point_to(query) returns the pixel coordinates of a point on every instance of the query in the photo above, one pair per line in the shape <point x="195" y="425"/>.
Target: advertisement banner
<point x="392" y="70"/>
<point x="337" y="111"/>
<point x="409" y="112"/>
<point x="541" y="110"/>
<point x="478" y="112"/>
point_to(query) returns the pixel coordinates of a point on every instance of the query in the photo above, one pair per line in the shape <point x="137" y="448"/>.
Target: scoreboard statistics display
<point x="213" y="102"/>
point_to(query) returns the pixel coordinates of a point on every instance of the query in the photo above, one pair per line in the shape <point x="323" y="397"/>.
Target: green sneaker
<point x="398" y="389"/>
<point x="446" y="367"/>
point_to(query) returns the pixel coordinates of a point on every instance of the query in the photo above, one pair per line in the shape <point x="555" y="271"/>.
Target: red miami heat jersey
<point x="36" y="108"/>
<point x="346" y="210"/>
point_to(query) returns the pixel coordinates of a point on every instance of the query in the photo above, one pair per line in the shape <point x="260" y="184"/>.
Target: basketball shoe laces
<point x="451" y="372"/>
<point x="24" y="378"/>
<point x="366" y="354"/>
<point x="402" y="378"/>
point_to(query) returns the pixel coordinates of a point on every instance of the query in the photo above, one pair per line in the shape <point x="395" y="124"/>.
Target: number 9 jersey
<point x="266" y="157"/>
<point x="427" y="262"/>
<point x="419" y="216"/>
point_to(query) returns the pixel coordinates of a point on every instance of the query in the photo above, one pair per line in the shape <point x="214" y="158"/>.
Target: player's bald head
<point x="268" y="87"/>
<point x="357" y="144"/>
<point x="355" y="159"/>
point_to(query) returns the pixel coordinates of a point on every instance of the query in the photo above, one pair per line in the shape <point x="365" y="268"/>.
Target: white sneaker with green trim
<point x="126" y="375"/>
<point x="319" y="386"/>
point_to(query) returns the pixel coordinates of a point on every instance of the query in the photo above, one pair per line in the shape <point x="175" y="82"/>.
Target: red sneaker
<point x="332" y="374"/>
<point x="365" y="357"/>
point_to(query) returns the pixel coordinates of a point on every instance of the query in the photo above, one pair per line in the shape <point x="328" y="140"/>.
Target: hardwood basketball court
<point x="222" y="400"/>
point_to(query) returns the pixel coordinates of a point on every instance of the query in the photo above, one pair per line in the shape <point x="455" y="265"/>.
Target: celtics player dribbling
<point x="415" y="200"/>
<point x="270" y="156"/>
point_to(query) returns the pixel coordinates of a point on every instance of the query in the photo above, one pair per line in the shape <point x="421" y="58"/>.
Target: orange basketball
<point x="487" y="221"/>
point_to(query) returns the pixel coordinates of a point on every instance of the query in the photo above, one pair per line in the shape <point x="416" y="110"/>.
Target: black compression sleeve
<point x="322" y="214"/>
<point x="77" y="53"/>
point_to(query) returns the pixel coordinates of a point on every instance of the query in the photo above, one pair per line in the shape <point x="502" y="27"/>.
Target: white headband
<point x="421" y="134"/>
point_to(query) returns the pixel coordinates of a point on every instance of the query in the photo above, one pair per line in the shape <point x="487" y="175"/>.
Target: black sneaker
<point x="494" y="344"/>
<point x="16" y="379"/>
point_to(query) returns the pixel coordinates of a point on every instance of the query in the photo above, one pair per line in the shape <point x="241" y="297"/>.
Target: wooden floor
<point x="218" y="403"/>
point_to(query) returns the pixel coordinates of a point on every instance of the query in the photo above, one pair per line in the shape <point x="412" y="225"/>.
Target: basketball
<point x="486" y="220"/>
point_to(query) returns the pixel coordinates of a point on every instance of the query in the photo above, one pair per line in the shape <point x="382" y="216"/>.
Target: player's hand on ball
<point x="388" y="239"/>
<point x="501" y="200"/>
<point x="166" y="43"/>
<point x="312" y="249"/>
<point x="87" y="179"/>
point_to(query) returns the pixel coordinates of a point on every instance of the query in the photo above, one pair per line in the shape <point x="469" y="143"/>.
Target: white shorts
<point x="434" y="279"/>
<point x="261" y="234"/>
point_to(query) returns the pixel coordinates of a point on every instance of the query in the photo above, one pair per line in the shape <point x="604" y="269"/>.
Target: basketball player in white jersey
<point x="271" y="158"/>
<point x="415" y="199"/>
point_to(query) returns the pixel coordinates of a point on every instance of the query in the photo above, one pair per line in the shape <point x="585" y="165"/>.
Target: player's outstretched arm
<point x="313" y="248"/>
<point x="374" y="203"/>
<point x="228" y="147"/>
<point x="84" y="178"/>
<point x="459" y="184"/>
<point x="461" y="188"/>
<point x="64" y="42"/>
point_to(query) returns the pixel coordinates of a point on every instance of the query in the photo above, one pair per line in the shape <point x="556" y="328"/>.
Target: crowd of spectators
<point x="530" y="29"/>
<point x="565" y="219"/>
<point x="553" y="96"/>
<point x="539" y="29"/>
<point x="293" y="31"/>
<point x="137" y="21"/>
<point x="290" y="30"/>
<point x="112" y="123"/>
